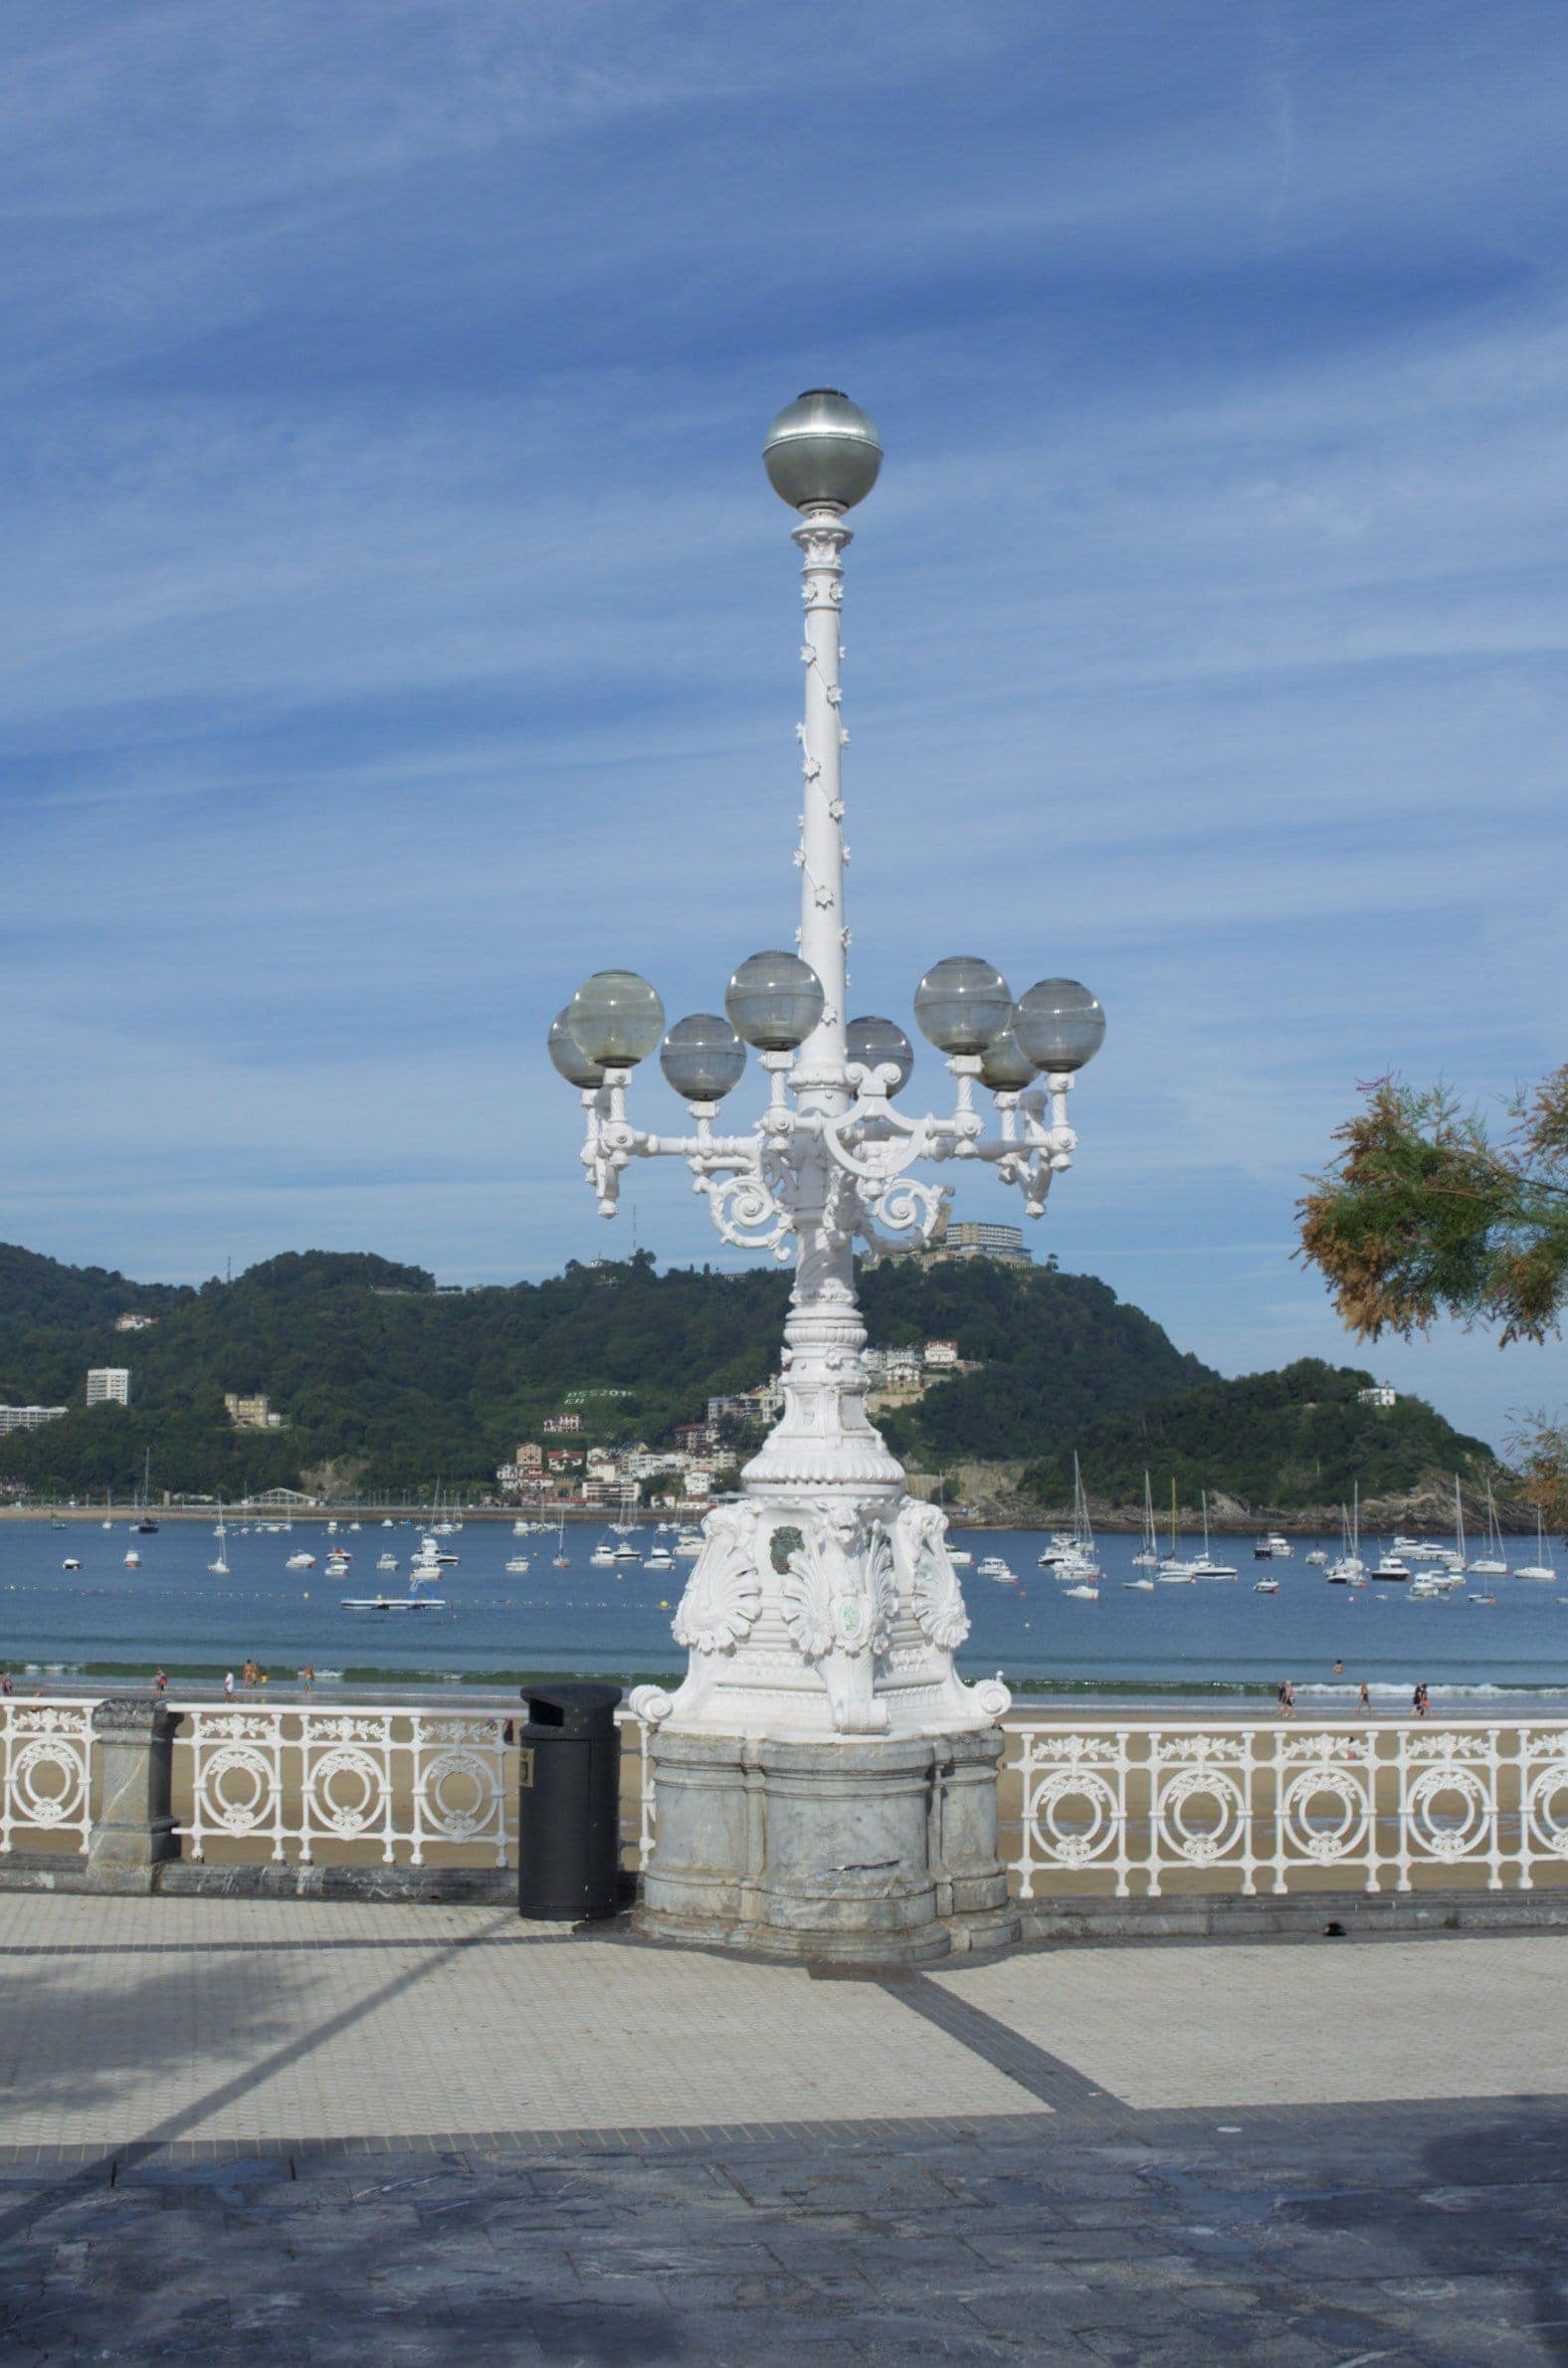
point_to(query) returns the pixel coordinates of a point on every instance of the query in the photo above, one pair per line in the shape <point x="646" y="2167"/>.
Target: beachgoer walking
<point x="1364" y="1700"/>
<point x="1289" y="1699"/>
<point x="1280" y="1691"/>
<point x="228" y="1686"/>
<point x="6" y="1686"/>
<point x="160" y="1683"/>
<point x="308" y="1675"/>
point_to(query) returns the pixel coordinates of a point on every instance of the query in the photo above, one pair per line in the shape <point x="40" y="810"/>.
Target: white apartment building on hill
<point x="109" y="1385"/>
<point x="29" y="1417"/>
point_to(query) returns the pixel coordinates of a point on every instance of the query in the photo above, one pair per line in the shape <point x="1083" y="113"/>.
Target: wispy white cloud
<point x="398" y="624"/>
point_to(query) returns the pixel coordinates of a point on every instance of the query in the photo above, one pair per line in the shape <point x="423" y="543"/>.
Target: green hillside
<point x="392" y="1384"/>
<point x="1284" y="1440"/>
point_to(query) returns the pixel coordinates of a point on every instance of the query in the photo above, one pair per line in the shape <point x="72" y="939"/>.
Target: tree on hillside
<point x="1426" y="1214"/>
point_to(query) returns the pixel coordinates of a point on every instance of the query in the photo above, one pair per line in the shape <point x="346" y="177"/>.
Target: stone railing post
<point x="133" y="1831"/>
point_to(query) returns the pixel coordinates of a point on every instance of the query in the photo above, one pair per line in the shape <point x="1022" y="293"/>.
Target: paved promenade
<point x="232" y="2130"/>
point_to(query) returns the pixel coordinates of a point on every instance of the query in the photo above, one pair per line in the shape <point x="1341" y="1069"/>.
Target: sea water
<point x="1213" y="1645"/>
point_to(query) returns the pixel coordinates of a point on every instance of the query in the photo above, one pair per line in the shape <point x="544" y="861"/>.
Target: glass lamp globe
<point x="1060" y="1024"/>
<point x="881" y="1044"/>
<point x="573" y="1065"/>
<point x="822" y="448"/>
<point x="961" y="1003"/>
<point x="775" y="1000"/>
<point x="702" y="1057"/>
<point x="1004" y="1066"/>
<point x="616" y="1019"/>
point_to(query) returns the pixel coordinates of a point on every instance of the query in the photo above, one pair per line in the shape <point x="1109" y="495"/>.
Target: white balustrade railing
<point x="297" y="1778"/>
<point x="45" y="1772"/>
<point x="1098" y="1803"/>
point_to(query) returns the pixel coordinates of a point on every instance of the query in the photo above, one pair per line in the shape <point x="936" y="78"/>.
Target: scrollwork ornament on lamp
<point x="825" y="1603"/>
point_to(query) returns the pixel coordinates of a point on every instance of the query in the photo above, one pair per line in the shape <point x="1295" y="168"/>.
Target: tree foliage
<point x="1424" y="1215"/>
<point x="1288" y="1440"/>
<point x="376" y="1372"/>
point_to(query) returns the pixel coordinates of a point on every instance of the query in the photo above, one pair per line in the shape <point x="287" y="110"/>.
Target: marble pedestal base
<point x="861" y="1853"/>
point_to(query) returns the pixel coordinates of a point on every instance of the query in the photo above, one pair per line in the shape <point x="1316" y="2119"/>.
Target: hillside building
<point x="253" y="1413"/>
<point x="29" y="1417"/>
<point x="109" y="1385"/>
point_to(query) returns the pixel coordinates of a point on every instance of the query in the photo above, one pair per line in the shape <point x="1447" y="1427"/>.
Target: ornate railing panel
<point x="45" y="1773"/>
<point x="300" y="1781"/>
<point x="1101" y="1805"/>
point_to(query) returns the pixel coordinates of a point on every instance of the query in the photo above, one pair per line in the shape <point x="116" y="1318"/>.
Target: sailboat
<point x="146" y="1526"/>
<point x="1490" y="1564"/>
<point x="1173" y="1571"/>
<point x="1348" y="1569"/>
<point x="1148" y="1555"/>
<point x="623" y="1551"/>
<point x="561" y="1556"/>
<point x="1080" y="1564"/>
<point x="1208" y="1568"/>
<point x="1540" y="1568"/>
<point x="219" y="1566"/>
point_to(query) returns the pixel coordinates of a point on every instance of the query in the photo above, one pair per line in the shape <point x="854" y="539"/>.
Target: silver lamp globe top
<point x="822" y="448"/>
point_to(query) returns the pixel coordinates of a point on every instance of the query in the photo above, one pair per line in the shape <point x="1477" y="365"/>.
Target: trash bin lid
<point x="572" y="1706"/>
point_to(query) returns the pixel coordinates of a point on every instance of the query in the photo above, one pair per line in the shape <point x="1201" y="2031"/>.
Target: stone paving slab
<point x="1073" y="2204"/>
<point x="1260" y="2246"/>
<point x="1280" y="2024"/>
<point x="122" y="2019"/>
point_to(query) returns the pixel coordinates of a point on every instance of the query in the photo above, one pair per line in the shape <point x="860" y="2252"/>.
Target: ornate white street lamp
<point x="826" y="1780"/>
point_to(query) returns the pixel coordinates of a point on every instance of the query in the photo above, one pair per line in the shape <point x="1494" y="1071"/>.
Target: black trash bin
<point x="569" y="1802"/>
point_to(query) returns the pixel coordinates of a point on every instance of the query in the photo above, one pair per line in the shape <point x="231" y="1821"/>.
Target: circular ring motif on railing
<point x="1547" y="1827"/>
<point x="461" y="1791"/>
<point x="1326" y="1844"/>
<point x="1201" y="1846"/>
<point x="236" y="1808"/>
<point x="359" y="1804"/>
<point x="1072" y="1845"/>
<point x="1457" y="1837"/>
<point x="52" y="1808"/>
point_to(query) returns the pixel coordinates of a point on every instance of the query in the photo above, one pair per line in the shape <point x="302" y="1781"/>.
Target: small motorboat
<point x="1082" y="1593"/>
<point x="386" y="1562"/>
<point x="1392" y="1571"/>
<point x="71" y="1563"/>
<point x="1266" y="1586"/>
<point x="993" y="1567"/>
<point x="134" y="1560"/>
<point x="392" y="1603"/>
<point x="300" y="1562"/>
<point x="1138" y="1586"/>
<point x="518" y="1564"/>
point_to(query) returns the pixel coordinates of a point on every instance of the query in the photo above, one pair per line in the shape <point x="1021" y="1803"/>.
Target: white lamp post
<point x="826" y="1780"/>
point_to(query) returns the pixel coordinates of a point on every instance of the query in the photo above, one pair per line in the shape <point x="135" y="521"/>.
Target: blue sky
<point x="400" y="625"/>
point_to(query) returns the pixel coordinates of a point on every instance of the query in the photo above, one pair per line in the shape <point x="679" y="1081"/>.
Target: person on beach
<point x="1364" y="1700"/>
<point x="307" y="1680"/>
<point x="1339" y="1669"/>
<point x="228" y="1686"/>
<point x="6" y="1686"/>
<point x="1418" y="1701"/>
<point x="160" y="1683"/>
